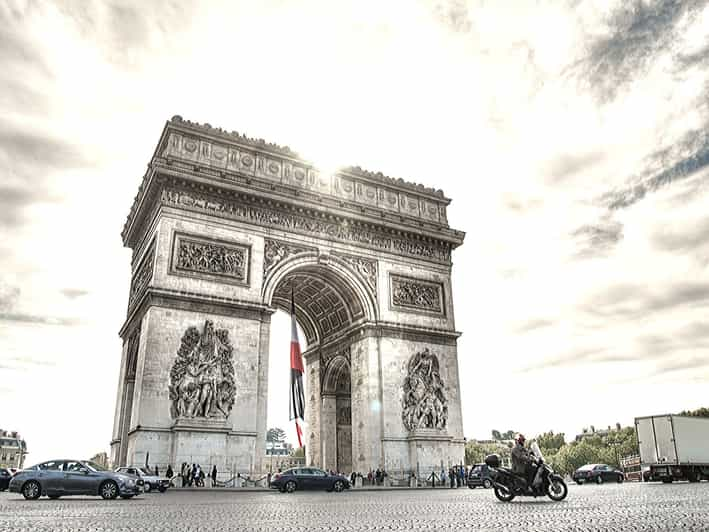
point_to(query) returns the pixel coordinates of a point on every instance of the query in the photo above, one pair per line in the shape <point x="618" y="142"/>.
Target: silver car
<point x="150" y="481"/>
<point x="56" y="478"/>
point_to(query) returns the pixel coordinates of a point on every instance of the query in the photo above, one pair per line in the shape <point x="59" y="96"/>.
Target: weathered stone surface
<point x="224" y="231"/>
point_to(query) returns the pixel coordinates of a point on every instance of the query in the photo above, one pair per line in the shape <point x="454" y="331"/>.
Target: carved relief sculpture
<point x="202" y="381"/>
<point x="143" y="275"/>
<point x="424" y="404"/>
<point x="275" y="251"/>
<point x="204" y="257"/>
<point x="365" y="267"/>
<point x="416" y="294"/>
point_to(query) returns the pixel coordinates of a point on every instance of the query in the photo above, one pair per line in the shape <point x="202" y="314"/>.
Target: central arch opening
<point x="329" y="308"/>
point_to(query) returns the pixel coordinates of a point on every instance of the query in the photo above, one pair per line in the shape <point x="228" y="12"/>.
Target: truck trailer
<point x="674" y="447"/>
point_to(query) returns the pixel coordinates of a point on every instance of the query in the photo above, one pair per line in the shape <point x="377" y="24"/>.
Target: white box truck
<point x="674" y="447"/>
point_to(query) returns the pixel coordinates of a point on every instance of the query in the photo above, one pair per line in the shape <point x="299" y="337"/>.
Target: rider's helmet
<point x="520" y="439"/>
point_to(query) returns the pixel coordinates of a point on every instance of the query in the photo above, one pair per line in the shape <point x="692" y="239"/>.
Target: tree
<point x="550" y="442"/>
<point x="509" y="435"/>
<point x="700" y="412"/>
<point x="275" y="435"/>
<point x="496" y="435"/>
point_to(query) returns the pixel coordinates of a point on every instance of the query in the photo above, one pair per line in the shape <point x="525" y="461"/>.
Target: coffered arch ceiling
<point x="324" y="303"/>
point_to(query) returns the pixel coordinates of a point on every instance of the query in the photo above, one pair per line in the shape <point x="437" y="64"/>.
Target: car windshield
<point x="94" y="466"/>
<point x="146" y="471"/>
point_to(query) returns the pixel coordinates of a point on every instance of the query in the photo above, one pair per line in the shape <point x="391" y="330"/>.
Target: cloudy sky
<point x="571" y="136"/>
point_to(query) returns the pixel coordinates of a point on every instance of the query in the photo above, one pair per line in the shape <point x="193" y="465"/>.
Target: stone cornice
<point x="234" y="137"/>
<point x="200" y="152"/>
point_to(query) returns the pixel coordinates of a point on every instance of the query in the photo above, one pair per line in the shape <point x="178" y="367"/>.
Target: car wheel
<point x="147" y="487"/>
<point x="53" y="497"/>
<point x="31" y="490"/>
<point x="472" y="486"/>
<point x="579" y="482"/>
<point x="487" y="484"/>
<point x="162" y="489"/>
<point x="338" y="486"/>
<point x="108" y="490"/>
<point x="290" y="486"/>
<point x="599" y="479"/>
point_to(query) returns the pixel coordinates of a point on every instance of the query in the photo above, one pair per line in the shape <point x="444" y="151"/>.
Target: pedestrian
<point x="169" y="473"/>
<point x="353" y="477"/>
<point x="214" y="476"/>
<point x="193" y="475"/>
<point x="200" y="475"/>
<point x="451" y="477"/>
<point x="157" y="473"/>
<point x="183" y="474"/>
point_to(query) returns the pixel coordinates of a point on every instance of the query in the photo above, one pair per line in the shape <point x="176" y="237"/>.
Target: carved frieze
<point x="416" y="294"/>
<point x="424" y="403"/>
<point x="365" y="267"/>
<point x="202" y="383"/>
<point x="206" y="257"/>
<point x="143" y="275"/>
<point x="275" y="251"/>
<point x="310" y="225"/>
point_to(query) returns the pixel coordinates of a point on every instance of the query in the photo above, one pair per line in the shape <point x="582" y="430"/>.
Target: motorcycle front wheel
<point x="557" y="490"/>
<point x="503" y="494"/>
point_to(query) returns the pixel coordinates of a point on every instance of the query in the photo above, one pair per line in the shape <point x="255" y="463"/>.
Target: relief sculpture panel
<point x="202" y="383"/>
<point x="424" y="405"/>
<point x="416" y="295"/>
<point x="204" y="257"/>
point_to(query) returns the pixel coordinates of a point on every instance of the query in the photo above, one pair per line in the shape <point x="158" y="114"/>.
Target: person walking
<point x="157" y="473"/>
<point x="169" y="473"/>
<point x="214" y="476"/>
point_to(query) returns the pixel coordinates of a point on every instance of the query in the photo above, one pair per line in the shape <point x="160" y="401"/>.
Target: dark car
<point x="479" y="476"/>
<point x="5" y="476"/>
<point x="598" y="473"/>
<point x="72" y="477"/>
<point x="308" y="478"/>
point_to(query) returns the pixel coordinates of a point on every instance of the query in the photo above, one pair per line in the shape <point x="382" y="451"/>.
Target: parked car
<point x="479" y="476"/>
<point x="149" y="480"/>
<point x="308" y="478"/>
<point x="5" y="476"/>
<point x="56" y="478"/>
<point x="598" y="473"/>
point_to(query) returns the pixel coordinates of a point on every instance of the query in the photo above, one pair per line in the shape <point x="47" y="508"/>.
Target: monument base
<point x="431" y="450"/>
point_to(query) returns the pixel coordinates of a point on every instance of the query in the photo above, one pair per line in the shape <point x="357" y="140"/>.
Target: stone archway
<point x="222" y="230"/>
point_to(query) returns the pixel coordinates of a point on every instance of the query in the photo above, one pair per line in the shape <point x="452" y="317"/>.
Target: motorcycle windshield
<point x="536" y="451"/>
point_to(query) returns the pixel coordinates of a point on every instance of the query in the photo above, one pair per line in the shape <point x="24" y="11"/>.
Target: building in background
<point x="13" y="449"/>
<point x="101" y="459"/>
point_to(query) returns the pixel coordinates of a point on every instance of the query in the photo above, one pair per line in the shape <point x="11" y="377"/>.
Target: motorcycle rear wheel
<point x="504" y="494"/>
<point x="557" y="490"/>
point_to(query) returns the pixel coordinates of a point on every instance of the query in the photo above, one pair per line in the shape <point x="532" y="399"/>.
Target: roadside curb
<point x="262" y="490"/>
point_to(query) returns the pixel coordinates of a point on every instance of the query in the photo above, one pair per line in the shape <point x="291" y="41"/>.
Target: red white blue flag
<point x="297" y="393"/>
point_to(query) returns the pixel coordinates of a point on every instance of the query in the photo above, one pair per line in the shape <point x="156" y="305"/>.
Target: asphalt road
<point x="628" y="506"/>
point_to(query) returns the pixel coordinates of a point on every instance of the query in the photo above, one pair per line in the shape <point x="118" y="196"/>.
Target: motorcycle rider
<point x="523" y="463"/>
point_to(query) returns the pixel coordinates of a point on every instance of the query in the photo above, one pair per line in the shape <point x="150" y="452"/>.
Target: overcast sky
<point x="571" y="136"/>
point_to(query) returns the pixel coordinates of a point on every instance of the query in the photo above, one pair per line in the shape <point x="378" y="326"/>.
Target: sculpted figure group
<point x="202" y="377"/>
<point x="424" y="403"/>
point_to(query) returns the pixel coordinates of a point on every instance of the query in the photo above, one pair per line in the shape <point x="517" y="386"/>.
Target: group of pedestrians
<point x="455" y="477"/>
<point x="194" y="476"/>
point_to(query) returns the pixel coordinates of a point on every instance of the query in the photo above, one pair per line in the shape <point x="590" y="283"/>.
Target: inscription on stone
<point x="210" y="258"/>
<point x="416" y="294"/>
<point x="424" y="405"/>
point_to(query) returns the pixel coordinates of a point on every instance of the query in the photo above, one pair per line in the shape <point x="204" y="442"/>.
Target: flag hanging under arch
<point x="297" y="393"/>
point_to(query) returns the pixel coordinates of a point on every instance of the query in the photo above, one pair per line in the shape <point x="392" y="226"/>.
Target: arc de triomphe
<point x="223" y="228"/>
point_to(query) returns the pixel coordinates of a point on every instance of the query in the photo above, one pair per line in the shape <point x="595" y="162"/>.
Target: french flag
<point x="297" y="393"/>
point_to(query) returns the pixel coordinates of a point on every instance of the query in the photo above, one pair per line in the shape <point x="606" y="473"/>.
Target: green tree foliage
<point x="475" y="452"/>
<point x="275" y="435"/>
<point x="496" y="435"/>
<point x="700" y="412"/>
<point x="550" y="442"/>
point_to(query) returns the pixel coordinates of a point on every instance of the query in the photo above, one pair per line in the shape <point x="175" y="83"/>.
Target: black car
<point x="5" y="477"/>
<point x="598" y="473"/>
<point x="308" y="478"/>
<point x="479" y="476"/>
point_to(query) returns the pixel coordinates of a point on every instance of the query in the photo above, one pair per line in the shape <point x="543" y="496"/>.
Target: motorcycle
<point x="507" y="485"/>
